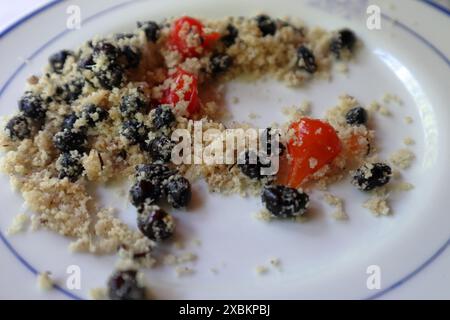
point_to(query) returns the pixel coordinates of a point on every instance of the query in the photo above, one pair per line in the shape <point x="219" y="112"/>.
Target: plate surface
<point x="322" y="258"/>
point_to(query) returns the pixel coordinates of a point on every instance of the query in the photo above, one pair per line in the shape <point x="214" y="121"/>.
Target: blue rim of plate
<point x="49" y="5"/>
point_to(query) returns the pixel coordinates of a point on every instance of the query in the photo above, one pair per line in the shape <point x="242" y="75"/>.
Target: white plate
<point x="323" y="258"/>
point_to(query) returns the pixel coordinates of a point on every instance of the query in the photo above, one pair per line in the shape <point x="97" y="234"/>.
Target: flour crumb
<point x="294" y="113"/>
<point x="385" y="111"/>
<point x="98" y="294"/>
<point x="173" y="260"/>
<point x="183" y="271"/>
<point x="33" y="80"/>
<point x="313" y="162"/>
<point x="253" y="116"/>
<point x="408" y="141"/>
<point x="214" y="270"/>
<point x="389" y="97"/>
<point x="178" y="245"/>
<point x="378" y="203"/>
<point x="187" y="257"/>
<point x="301" y="218"/>
<point x="408" y="120"/>
<point x="169" y="260"/>
<point x="374" y="106"/>
<point x="338" y="203"/>
<point x="404" y="186"/>
<point x="305" y="107"/>
<point x="260" y="270"/>
<point x="342" y="67"/>
<point x="263" y="215"/>
<point x="18" y="224"/>
<point x="402" y="158"/>
<point x="276" y="263"/>
<point x="396" y="174"/>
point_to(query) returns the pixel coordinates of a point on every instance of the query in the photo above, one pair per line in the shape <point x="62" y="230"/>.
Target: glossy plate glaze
<point x="322" y="258"/>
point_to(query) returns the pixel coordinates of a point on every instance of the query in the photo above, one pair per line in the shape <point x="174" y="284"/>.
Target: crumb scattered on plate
<point x="260" y="270"/>
<point x="408" y="141"/>
<point x="98" y="294"/>
<point x="408" y="120"/>
<point x="183" y="271"/>
<point x="402" y="158"/>
<point x="338" y="203"/>
<point x="378" y="203"/>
